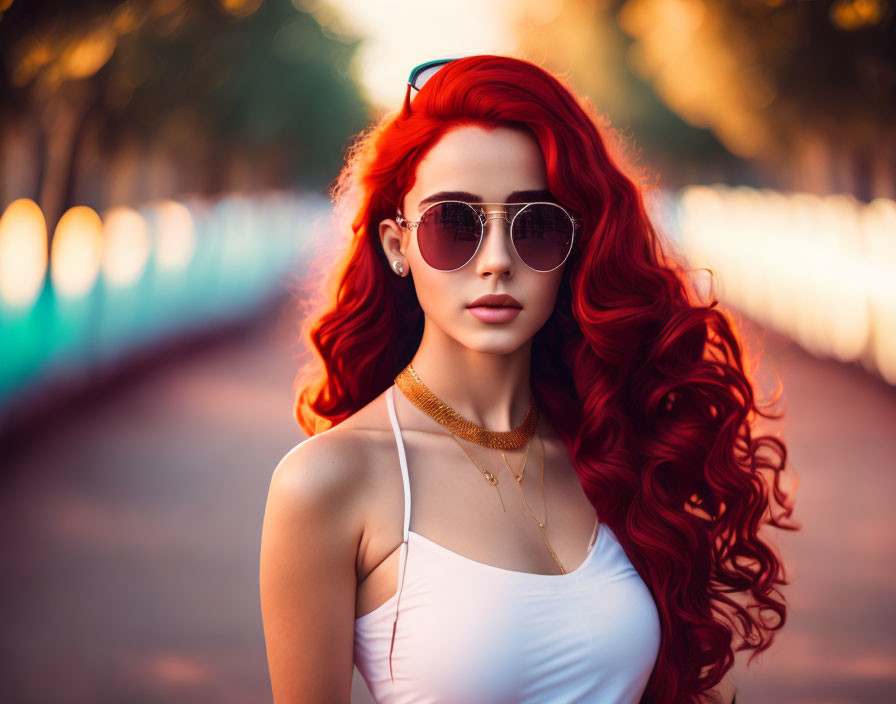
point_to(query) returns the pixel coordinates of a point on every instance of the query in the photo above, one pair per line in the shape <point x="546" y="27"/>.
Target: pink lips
<point x="503" y="314"/>
<point x="493" y="299"/>
<point x="495" y="308"/>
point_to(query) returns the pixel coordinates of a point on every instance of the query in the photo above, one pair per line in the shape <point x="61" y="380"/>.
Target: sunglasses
<point x="449" y="233"/>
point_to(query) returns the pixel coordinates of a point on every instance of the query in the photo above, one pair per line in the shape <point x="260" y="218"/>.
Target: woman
<point x="531" y="475"/>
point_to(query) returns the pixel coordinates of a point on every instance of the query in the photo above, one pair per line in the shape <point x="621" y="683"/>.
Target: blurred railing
<point x="134" y="278"/>
<point x="819" y="269"/>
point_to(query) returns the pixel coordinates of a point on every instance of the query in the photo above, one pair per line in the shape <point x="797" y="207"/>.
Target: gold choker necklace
<point x="424" y="399"/>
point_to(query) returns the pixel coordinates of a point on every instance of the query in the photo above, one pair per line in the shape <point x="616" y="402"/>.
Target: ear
<point x="394" y="241"/>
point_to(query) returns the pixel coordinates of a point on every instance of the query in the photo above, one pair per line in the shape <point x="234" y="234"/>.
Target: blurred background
<point x="163" y="186"/>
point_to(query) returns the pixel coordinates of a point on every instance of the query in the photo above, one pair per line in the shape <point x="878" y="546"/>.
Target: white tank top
<point x="470" y="633"/>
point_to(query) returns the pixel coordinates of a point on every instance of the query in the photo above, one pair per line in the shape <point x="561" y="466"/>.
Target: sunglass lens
<point x="542" y="234"/>
<point x="423" y="76"/>
<point x="448" y="235"/>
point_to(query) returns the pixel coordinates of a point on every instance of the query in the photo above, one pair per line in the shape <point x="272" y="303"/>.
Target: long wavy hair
<point x="648" y="387"/>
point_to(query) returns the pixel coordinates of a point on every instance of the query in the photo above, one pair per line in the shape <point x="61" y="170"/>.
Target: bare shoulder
<point x="313" y="524"/>
<point x="332" y="476"/>
<point x="323" y="469"/>
<point x="337" y="459"/>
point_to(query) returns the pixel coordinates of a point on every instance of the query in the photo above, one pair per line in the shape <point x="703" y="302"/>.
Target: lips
<point x="492" y="300"/>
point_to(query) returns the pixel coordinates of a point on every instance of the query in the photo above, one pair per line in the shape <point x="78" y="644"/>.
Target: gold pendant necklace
<point x="541" y="524"/>
<point x="518" y="477"/>
<point x="459" y="427"/>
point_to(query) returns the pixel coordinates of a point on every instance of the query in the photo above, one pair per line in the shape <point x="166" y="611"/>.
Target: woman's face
<point x="494" y="166"/>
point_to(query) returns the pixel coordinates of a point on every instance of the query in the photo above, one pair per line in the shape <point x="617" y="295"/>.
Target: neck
<point x="490" y="389"/>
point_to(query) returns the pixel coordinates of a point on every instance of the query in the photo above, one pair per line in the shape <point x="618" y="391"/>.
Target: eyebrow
<point x="541" y="194"/>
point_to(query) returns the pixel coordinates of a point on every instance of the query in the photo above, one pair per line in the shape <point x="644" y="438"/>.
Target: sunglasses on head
<point x="422" y="73"/>
<point x="449" y="233"/>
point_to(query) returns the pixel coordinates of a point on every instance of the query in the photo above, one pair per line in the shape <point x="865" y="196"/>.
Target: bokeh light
<point x="89" y="53"/>
<point x="126" y="246"/>
<point x="879" y="224"/>
<point x="76" y="252"/>
<point x="816" y="268"/>
<point x="23" y="253"/>
<point x="855" y="14"/>
<point x="175" y="235"/>
<point x="240" y="8"/>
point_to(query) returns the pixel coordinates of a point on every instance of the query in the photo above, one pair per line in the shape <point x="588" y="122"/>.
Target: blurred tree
<point x="208" y="84"/>
<point x="806" y="87"/>
<point x="792" y="93"/>
<point x="582" y="40"/>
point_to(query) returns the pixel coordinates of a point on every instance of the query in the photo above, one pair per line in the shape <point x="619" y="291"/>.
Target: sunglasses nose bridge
<point x="488" y="217"/>
<point x="499" y="232"/>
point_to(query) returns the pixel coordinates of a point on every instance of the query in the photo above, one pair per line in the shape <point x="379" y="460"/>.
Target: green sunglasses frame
<point x="420" y="69"/>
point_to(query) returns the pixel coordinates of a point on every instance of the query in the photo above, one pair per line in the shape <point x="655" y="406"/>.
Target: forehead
<point x="492" y="163"/>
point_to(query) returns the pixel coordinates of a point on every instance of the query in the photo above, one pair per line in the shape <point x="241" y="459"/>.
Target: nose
<point x="495" y="254"/>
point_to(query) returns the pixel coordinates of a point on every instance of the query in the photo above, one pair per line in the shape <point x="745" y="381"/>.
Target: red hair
<point x="647" y="387"/>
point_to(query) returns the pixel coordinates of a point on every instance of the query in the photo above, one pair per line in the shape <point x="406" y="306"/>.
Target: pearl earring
<point x="399" y="267"/>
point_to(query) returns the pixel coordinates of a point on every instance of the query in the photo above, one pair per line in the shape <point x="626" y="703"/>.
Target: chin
<point x="495" y="341"/>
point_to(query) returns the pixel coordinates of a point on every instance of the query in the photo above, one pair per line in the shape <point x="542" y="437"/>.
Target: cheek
<point x="438" y="293"/>
<point x="546" y="298"/>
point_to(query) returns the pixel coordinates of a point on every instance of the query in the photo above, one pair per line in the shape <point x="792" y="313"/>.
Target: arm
<point x="312" y="528"/>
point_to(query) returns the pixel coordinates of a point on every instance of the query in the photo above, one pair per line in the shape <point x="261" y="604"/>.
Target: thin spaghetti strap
<point x="403" y="552"/>
<point x="402" y="459"/>
<point x="594" y="532"/>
